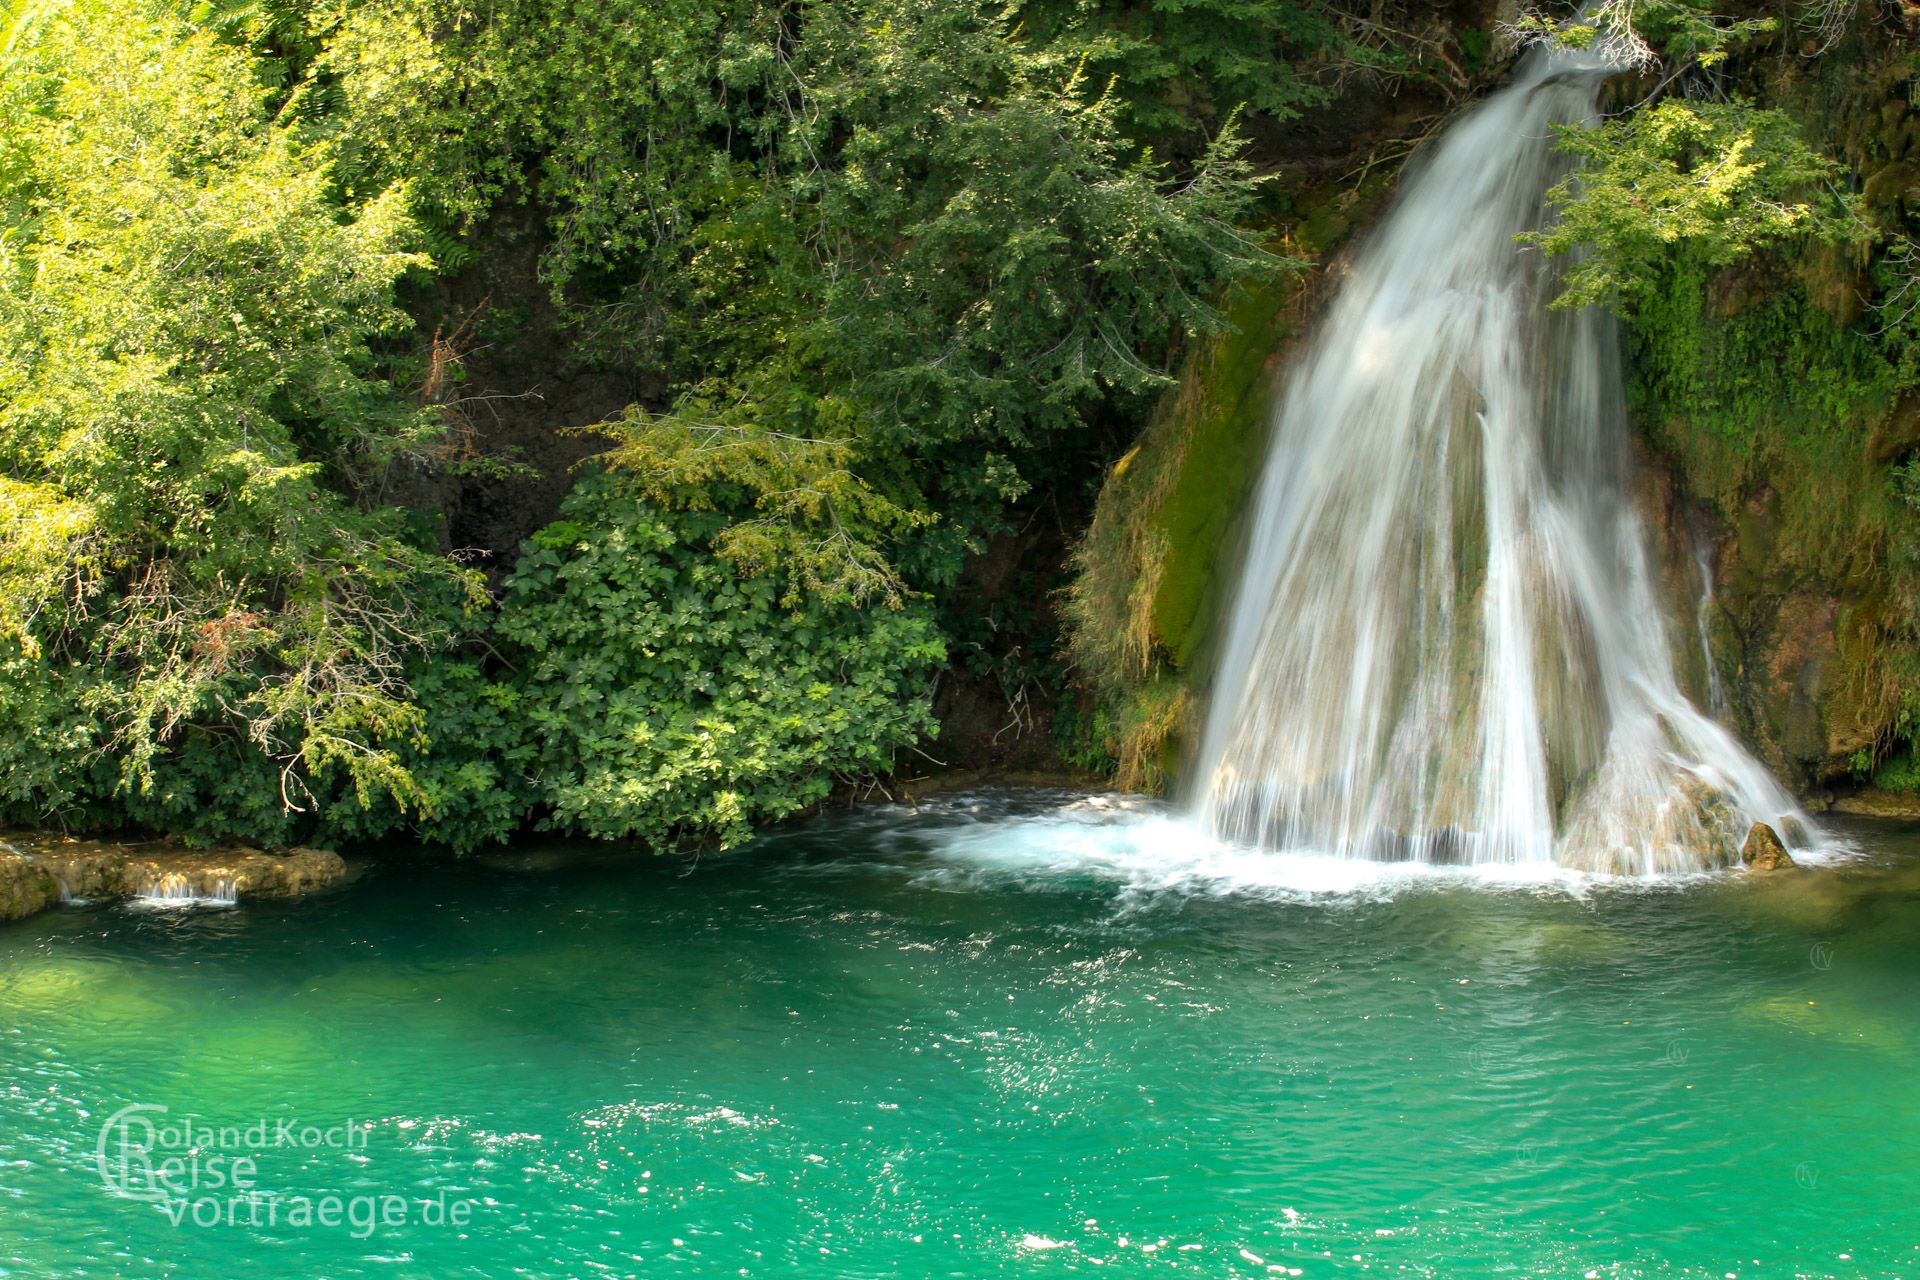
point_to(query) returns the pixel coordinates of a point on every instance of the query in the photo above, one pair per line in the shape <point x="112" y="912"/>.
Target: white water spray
<point x="1446" y="645"/>
<point x="176" y="890"/>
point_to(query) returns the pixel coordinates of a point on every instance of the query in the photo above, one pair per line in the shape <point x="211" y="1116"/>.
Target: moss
<point x="1153" y="572"/>
<point x="25" y="888"/>
<point x="1149" y="734"/>
<point x="1225" y="444"/>
<point x="1777" y="405"/>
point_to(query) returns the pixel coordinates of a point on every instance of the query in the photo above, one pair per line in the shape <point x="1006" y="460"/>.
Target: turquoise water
<point x="996" y="1038"/>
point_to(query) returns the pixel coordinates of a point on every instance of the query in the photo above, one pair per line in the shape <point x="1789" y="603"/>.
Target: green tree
<point x="186" y="395"/>
<point x="1717" y="182"/>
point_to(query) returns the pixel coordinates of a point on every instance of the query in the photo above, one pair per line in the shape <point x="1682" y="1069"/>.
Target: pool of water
<point x="1010" y="1035"/>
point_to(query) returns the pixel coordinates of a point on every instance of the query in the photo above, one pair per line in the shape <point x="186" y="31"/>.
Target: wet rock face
<point x="39" y="872"/>
<point x="1763" y="850"/>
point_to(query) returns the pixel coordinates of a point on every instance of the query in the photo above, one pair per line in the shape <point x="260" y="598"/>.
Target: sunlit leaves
<point x="185" y="318"/>
<point x="1724" y="180"/>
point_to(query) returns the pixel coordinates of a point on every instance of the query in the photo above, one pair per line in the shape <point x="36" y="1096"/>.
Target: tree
<point x="186" y="397"/>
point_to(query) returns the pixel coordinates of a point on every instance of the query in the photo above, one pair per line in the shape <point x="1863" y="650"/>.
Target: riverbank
<point x="40" y="870"/>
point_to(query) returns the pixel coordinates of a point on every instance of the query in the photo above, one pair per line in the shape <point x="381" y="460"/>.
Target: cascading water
<point x="176" y="890"/>
<point x="1446" y="644"/>
<point x="1703" y="607"/>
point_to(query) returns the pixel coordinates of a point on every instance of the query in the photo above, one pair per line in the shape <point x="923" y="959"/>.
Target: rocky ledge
<point x="41" y="871"/>
<point x="1870" y="802"/>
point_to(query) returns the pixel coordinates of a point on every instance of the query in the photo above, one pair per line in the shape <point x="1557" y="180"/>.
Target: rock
<point x="232" y="873"/>
<point x="25" y="886"/>
<point x="1888" y="183"/>
<point x="1874" y="803"/>
<point x="39" y="870"/>
<point x="1795" y="833"/>
<point x="1763" y="850"/>
<point x="83" y="868"/>
<point x="1716" y="839"/>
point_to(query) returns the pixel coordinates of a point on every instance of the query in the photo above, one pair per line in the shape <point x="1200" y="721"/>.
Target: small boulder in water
<point x="1794" y="832"/>
<point x="1763" y="850"/>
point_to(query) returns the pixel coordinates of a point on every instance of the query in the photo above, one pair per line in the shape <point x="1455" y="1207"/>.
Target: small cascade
<point x="1716" y="692"/>
<point x="175" y="890"/>
<point x="1447" y="644"/>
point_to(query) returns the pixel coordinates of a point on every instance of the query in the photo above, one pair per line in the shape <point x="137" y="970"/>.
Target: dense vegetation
<point x="906" y="276"/>
<point x="895" y="264"/>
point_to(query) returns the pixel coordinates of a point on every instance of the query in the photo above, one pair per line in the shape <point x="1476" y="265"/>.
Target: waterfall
<point x="1446" y="643"/>
<point x="1702" y="625"/>
<point x="175" y="890"/>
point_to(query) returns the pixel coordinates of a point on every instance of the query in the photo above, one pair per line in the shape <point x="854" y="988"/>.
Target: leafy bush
<point x="669" y="696"/>
<point x="647" y="690"/>
<point x="1715" y="181"/>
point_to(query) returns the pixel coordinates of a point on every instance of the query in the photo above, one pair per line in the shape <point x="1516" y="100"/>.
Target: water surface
<point x="1001" y="1037"/>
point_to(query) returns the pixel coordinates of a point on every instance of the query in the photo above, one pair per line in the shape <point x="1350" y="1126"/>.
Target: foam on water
<point x="174" y="893"/>
<point x="1147" y="848"/>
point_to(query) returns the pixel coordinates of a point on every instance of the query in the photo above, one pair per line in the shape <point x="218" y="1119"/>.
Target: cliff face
<point x="1779" y="422"/>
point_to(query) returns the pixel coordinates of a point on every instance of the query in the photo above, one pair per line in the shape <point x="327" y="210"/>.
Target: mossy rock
<point x="1763" y="850"/>
<point x="26" y="888"/>
<point x="1889" y="183"/>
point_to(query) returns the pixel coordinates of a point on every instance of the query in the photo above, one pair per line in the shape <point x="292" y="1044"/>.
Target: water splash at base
<point x="177" y="891"/>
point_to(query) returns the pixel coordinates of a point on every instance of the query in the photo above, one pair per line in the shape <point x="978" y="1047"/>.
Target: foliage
<point x="1675" y="36"/>
<point x="186" y="320"/>
<point x="892" y="257"/>
<point x="1715" y="182"/>
<point x="672" y="697"/>
<point x="47" y="743"/>
<point x="891" y="253"/>
<point x="647" y="690"/>
<point x="1179" y="64"/>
